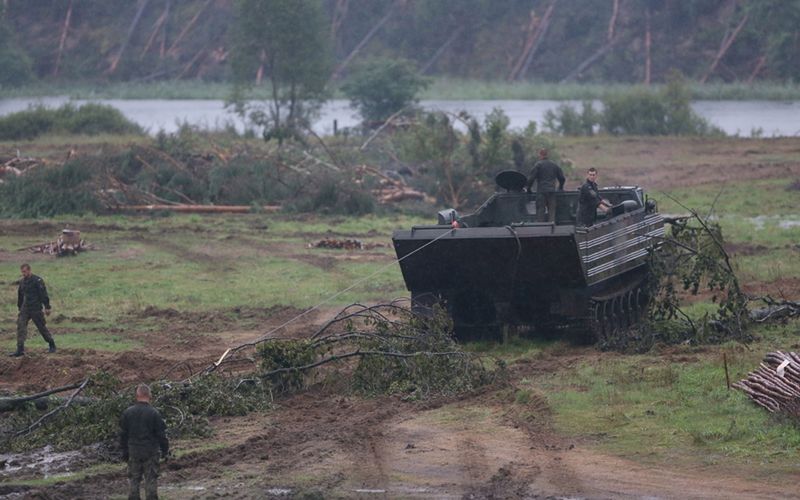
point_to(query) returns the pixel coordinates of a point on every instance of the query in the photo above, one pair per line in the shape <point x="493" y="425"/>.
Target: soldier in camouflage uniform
<point x="143" y="435"/>
<point x="31" y="297"/>
<point x="545" y="174"/>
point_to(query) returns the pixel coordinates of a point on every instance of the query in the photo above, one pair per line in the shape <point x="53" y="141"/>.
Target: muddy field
<point x="326" y="442"/>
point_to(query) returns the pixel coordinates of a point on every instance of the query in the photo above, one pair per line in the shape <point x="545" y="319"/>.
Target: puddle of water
<point x="43" y="461"/>
<point x="279" y="491"/>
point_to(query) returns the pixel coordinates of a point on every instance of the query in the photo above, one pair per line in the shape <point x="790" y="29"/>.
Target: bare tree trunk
<point x="163" y="50"/>
<point x="612" y="23"/>
<point x="188" y="27"/>
<point x="197" y="57"/>
<point x="757" y="69"/>
<point x="339" y="13"/>
<point x="602" y="51"/>
<point x="533" y="24"/>
<point x="260" y="72"/>
<point x="372" y="32"/>
<point x="131" y="29"/>
<point x="64" y="31"/>
<point x="156" y="30"/>
<point x="726" y="44"/>
<point x="436" y="55"/>
<point x="647" y="43"/>
<point x="539" y="37"/>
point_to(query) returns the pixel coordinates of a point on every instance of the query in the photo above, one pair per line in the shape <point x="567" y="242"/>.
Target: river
<point x="742" y="118"/>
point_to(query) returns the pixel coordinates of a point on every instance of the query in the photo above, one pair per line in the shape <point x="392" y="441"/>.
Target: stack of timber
<point x="775" y="385"/>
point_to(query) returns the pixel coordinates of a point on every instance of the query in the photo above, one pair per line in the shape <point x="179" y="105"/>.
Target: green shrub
<point x="380" y="87"/>
<point x="48" y="191"/>
<point x="565" y="120"/>
<point x="666" y="112"/>
<point x="335" y="195"/>
<point x="639" y="111"/>
<point x="89" y="119"/>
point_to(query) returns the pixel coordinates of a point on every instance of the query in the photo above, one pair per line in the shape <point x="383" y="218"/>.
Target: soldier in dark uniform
<point x="544" y="174"/>
<point x="589" y="200"/>
<point x="143" y="435"/>
<point x="31" y="297"/>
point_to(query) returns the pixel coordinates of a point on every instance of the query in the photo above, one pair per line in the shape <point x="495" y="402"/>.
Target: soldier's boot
<point x="19" y="352"/>
<point x="52" y="346"/>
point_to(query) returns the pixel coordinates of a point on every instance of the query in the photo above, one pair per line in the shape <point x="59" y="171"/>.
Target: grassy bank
<point x="441" y="88"/>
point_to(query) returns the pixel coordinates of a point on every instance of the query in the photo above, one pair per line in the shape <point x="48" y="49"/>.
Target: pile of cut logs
<point x="344" y="244"/>
<point x="68" y="243"/>
<point x="775" y="385"/>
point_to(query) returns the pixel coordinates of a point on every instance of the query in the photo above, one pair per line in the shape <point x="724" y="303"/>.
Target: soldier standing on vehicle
<point x="544" y="174"/>
<point x="589" y="200"/>
<point x="31" y="297"/>
<point x="142" y="436"/>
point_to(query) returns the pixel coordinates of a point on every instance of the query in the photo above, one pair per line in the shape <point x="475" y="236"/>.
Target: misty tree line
<point x="512" y="40"/>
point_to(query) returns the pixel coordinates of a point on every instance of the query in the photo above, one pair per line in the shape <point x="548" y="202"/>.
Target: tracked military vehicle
<point x="499" y="266"/>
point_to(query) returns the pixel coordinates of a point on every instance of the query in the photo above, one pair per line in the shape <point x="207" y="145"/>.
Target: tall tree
<point x="288" y="41"/>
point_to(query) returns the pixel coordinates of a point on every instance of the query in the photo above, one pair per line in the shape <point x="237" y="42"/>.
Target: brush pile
<point x="775" y="385"/>
<point x="68" y="243"/>
<point x="345" y="244"/>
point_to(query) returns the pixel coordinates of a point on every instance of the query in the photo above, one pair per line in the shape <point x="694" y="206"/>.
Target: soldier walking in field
<point x="142" y="436"/>
<point x="31" y="297"/>
<point x="545" y="173"/>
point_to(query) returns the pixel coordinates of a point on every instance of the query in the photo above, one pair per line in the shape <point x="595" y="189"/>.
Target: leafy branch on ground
<point x="381" y="349"/>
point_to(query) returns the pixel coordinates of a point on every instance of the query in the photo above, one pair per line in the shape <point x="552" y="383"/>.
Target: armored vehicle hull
<point x="499" y="267"/>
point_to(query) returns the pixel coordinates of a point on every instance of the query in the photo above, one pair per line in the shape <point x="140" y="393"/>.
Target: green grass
<point x="656" y="409"/>
<point x="71" y="340"/>
<point x="195" y="264"/>
<point x="442" y="88"/>
<point x="747" y="199"/>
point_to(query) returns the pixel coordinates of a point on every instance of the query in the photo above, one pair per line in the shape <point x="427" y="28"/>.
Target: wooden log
<point x="196" y="209"/>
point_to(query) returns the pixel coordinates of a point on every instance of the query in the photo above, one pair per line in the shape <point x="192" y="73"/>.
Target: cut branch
<point x="8" y="404"/>
<point x="50" y="414"/>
